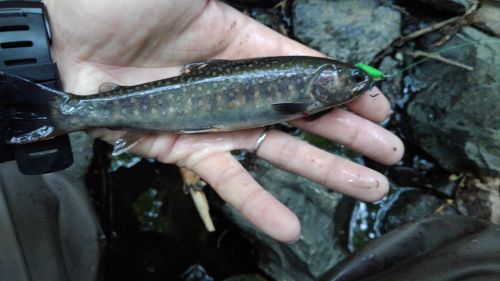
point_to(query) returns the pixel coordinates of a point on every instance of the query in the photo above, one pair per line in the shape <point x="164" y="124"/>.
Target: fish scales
<point x="203" y="100"/>
<point x="215" y="95"/>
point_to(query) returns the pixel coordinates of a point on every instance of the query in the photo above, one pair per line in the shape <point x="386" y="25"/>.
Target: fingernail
<point x="293" y="241"/>
<point x="387" y="119"/>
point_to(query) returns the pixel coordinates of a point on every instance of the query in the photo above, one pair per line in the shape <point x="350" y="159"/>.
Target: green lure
<point x="371" y="71"/>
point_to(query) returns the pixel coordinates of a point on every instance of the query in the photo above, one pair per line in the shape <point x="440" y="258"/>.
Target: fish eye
<point x="357" y="76"/>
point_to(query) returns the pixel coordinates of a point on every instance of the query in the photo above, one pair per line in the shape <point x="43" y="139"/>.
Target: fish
<point x="207" y="96"/>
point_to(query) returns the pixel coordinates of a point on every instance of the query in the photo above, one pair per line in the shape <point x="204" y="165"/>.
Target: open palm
<point x="129" y="42"/>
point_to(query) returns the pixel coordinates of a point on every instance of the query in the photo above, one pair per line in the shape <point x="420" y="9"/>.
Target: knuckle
<point x="248" y="203"/>
<point x="227" y="176"/>
<point x="289" y="151"/>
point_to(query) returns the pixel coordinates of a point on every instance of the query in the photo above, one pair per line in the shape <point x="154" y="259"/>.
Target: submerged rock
<point x="353" y="31"/>
<point x="455" y="118"/>
<point x="318" y="247"/>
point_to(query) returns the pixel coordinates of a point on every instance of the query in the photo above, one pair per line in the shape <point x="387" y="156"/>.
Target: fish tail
<point x="26" y="109"/>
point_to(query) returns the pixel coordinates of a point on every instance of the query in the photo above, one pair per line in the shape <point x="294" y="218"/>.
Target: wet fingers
<point x="358" y="133"/>
<point x="373" y="105"/>
<point x="332" y="171"/>
<point x="237" y="187"/>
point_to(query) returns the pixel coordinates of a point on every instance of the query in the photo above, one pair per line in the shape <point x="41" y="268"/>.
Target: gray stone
<point x="455" y="118"/>
<point x="352" y="31"/>
<point x="487" y="18"/>
<point x="318" y="247"/>
<point x="392" y="86"/>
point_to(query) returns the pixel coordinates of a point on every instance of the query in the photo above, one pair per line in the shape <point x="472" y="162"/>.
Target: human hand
<point x="130" y="42"/>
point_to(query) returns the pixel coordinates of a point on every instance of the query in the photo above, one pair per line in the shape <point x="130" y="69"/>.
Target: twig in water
<point x="458" y="21"/>
<point x="400" y="42"/>
<point x="440" y="58"/>
<point x="194" y="185"/>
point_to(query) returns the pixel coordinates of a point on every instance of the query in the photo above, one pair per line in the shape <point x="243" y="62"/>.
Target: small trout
<point x="209" y="96"/>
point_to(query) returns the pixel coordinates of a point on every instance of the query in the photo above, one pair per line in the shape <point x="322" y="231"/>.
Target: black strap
<point x="25" y="39"/>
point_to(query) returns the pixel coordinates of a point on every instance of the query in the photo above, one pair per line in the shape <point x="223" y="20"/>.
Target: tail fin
<point x="26" y="108"/>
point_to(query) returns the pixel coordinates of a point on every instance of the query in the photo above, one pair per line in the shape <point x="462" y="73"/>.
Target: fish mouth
<point x="363" y="86"/>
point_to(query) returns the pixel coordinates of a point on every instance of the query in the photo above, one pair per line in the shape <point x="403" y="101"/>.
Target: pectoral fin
<point x="292" y="107"/>
<point x="127" y="142"/>
<point x="188" y="68"/>
<point x="318" y="115"/>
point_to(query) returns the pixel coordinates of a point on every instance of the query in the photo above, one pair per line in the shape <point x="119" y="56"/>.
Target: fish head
<point x="335" y="84"/>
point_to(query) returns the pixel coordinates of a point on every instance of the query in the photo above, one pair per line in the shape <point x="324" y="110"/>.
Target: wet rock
<point x="392" y="86"/>
<point x="456" y="6"/>
<point x="318" y="247"/>
<point x="353" y="31"/>
<point x="246" y="277"/>
<point x="455" y="117"/>
<point x="479" y="197"/>
<point x="487" y="17"/>
<point x="416" y="171"/>
<point x="276" y="19"/>
<point x="402" y="205"/>
<point x="196" y="273"/>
